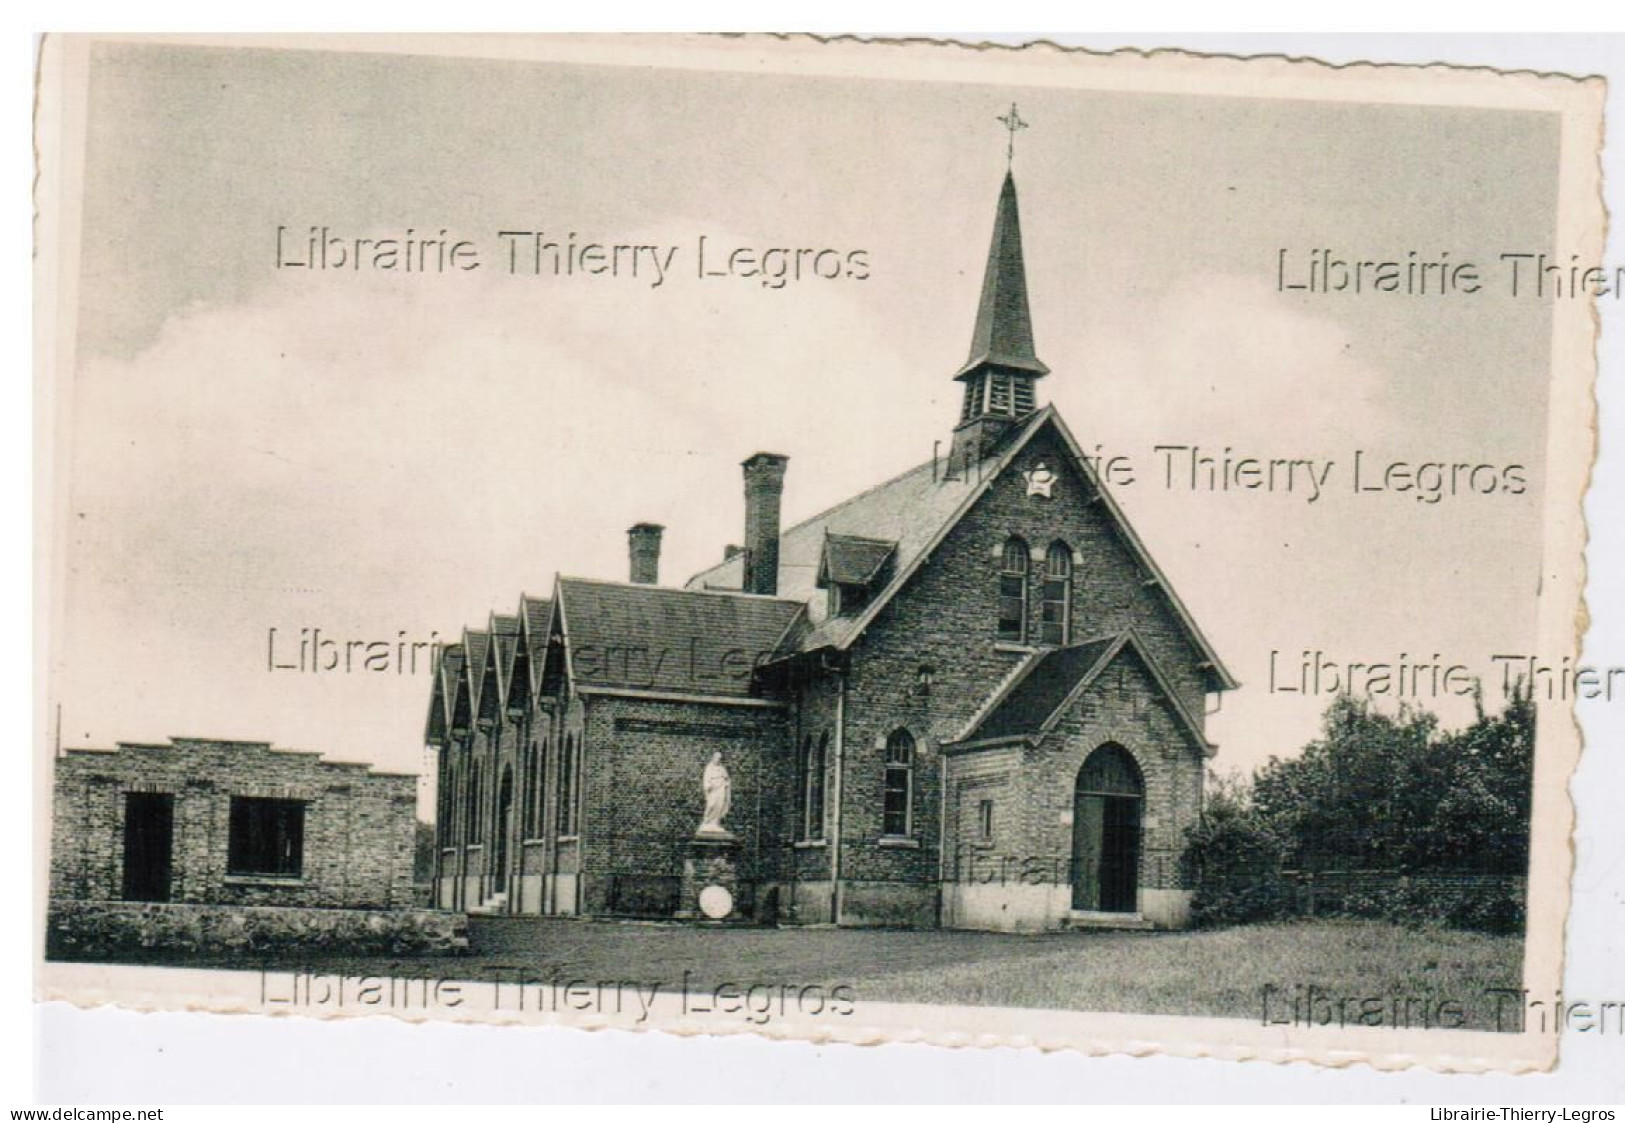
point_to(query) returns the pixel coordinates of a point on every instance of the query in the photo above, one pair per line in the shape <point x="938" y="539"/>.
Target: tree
<point x="1350" y="799"/>
<point x="1379" y="792"/>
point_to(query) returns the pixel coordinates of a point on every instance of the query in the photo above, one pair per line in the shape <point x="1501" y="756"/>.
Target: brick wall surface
<point x="643" y="797"/>
<point x="641" y="759"/>
<point x="946" y="619"/>
<point x="358" y="830"/>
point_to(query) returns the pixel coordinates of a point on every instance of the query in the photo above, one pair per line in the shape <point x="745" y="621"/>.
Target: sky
<point x="375" y="453"/>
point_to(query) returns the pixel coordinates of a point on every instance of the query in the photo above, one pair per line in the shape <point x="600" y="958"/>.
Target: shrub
<point x="1232" y="861"/>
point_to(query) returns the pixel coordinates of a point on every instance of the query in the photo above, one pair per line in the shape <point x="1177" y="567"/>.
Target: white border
<point x="107" y="1055"/>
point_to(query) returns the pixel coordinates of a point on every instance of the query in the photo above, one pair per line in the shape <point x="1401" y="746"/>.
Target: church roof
<point x="1033" y="699"/>
<point x="505" y="641"/>
<point x="916" y="510"/>
<point x="648" y="637"/>
<point x="535" y="618"/>
<point x="1004" y="323"/>
<point x="850" y="560"/>
<point x="476" y="644"/>
<point x="448" y="673"/>
<point x="910" y="510"/>
<point x="1036" y="698"/>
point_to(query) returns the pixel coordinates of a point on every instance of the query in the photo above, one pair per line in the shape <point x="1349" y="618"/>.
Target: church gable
<point x="1038" y="555"/>
<point x="1052" y="683"/>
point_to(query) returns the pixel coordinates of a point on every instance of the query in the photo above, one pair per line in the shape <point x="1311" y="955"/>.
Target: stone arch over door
<point x="1108" y="803"/>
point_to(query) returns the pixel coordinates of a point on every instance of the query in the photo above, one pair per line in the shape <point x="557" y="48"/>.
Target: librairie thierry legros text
<point x="1521" y="274"/>
<point x="1222" y="469"/>
<point x="565" y="254"/>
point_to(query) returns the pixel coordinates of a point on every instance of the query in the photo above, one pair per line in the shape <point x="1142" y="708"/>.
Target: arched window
<point x="532" y="825"/>
<point x="567" y="787"/>
<point x="897" y="812"/>
<point x="442" y="803"/>
<point x="1013" y="566"/>
<point x="1056" y="621"/>
<point x="471" y="817"/>
<point x="812" y="785"/>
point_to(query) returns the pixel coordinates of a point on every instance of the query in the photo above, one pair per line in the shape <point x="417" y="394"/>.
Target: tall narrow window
<point x="1013" y="591"/>
<point x="454" y="781"/>
<point x="1057" y="616"/>
<point x="567" y="787"/>
<point x="471" y="817"/>
<point x="442" y="802"/>
<point x="899" y="793"/>
<point x="812" y="785"/>
<point x="533" y="787"/>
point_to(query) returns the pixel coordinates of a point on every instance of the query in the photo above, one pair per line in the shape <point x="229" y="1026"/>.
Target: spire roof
<point x="1004" y="325"/>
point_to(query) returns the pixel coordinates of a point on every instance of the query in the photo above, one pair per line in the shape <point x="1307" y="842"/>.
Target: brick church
<point x="966" y="697"/>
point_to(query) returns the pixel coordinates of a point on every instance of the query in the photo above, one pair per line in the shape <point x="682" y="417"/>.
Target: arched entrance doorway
<point x="1106" y="807"/>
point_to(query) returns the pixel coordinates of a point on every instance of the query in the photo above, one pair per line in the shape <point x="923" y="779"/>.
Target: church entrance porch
<point x="1106" y="811"/>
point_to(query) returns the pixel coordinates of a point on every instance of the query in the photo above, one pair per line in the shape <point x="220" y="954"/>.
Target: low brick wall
<point x="123" y="930"/>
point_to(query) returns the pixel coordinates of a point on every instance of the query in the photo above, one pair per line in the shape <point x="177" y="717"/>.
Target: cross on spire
<point x="1011" y="121"/>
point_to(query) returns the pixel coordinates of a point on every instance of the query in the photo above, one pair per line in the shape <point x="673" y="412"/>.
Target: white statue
<point x="718" y="797"/>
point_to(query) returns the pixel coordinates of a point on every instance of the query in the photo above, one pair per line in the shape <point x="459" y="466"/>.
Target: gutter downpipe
<point x="840" y="768"/>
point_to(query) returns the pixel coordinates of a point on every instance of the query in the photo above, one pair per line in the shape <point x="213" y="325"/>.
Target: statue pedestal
<point x="710" y="888"/>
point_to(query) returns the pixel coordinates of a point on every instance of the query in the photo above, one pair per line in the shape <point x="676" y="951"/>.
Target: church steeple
<point x="1004" y="324"/>
<point x="1003" y="367"/>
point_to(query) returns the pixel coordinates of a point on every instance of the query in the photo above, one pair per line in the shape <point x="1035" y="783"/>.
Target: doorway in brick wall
<point x="1106" y="813"/>
<point x="149" y="845"/>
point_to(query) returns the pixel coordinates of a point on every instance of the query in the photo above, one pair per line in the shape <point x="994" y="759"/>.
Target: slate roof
<point x="535" y="624"/>
<point x="448" y="676"/>
<point x="536" y="612"/>
<point x="910" y="510"/>
<point x="1049" y="681"/>
<point x="1033" y="701"/>
<point x="649" y="637"/>
<point x="849" y="560"/>
<point x="505" y="636"/>
<point x="915" y="510"/>
<point x="1004" y="324"/>
<point x="476" y="644"/>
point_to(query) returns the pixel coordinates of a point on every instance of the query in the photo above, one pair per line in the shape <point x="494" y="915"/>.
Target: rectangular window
<point x="984" y="821"/>
<point x="266" y="837"/>
<point x="1026" y="402"/>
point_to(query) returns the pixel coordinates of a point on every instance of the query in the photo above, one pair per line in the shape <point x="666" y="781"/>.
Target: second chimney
<point x="764" y="487"/>
<point x="643" y="543"/>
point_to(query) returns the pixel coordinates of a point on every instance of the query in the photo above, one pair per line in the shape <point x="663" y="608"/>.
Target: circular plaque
<point x="716" y="902"/>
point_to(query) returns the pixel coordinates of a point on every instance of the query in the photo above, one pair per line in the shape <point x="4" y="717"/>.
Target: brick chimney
<point x="764" y="487"/>
<point x="643" y="543"/>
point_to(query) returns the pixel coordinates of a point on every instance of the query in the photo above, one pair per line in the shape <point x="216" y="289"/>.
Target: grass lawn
<point x="1218" y="973"/>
